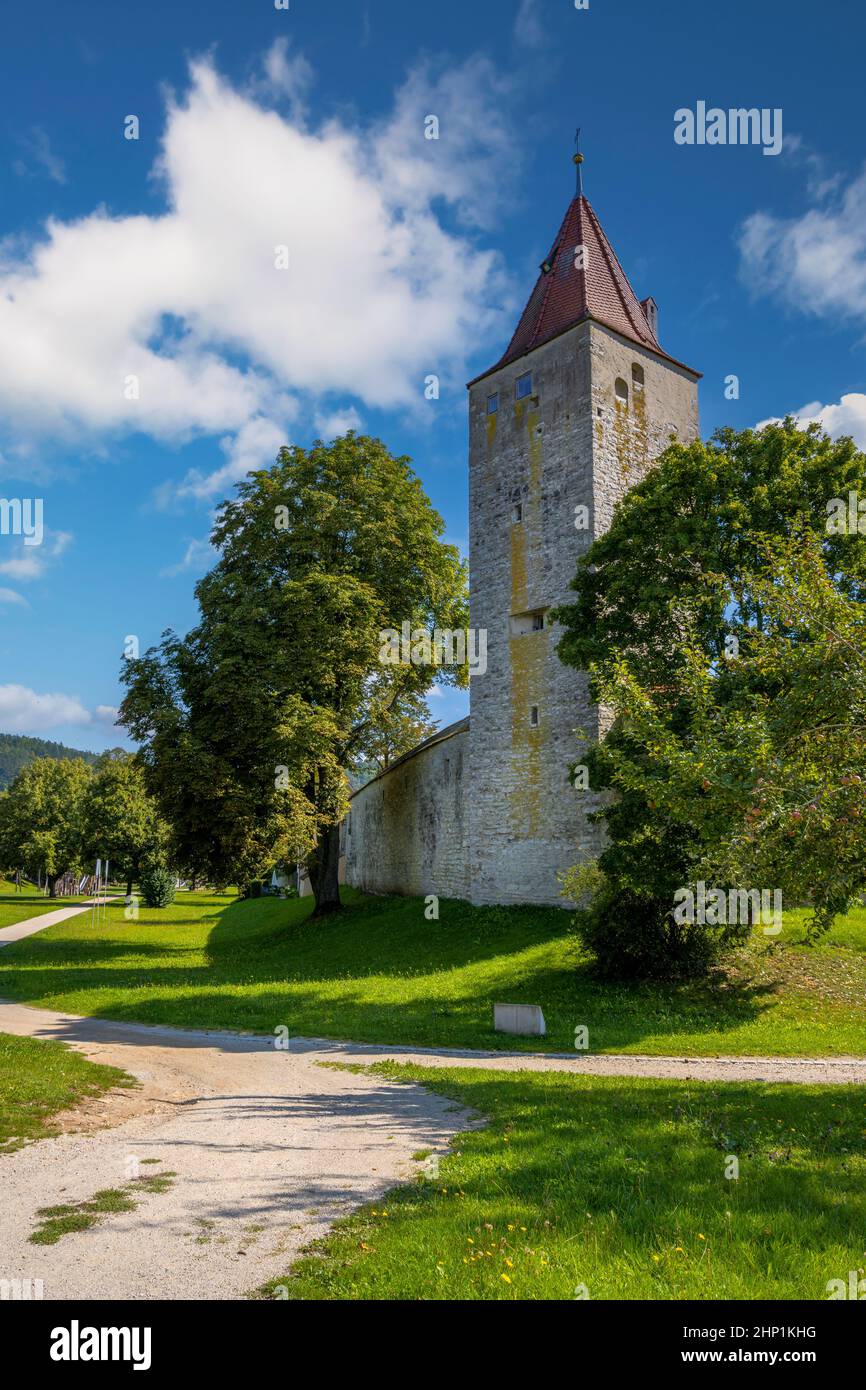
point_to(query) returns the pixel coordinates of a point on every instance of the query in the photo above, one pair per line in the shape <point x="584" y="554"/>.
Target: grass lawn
<point x="17" y="907"/>
<point x="39" y="1078"/>
<point x="617" y="1185"/>
<point x="381" y="972"/>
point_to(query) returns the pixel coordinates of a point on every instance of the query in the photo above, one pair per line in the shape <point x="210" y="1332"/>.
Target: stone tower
<point x="574" y="414"/>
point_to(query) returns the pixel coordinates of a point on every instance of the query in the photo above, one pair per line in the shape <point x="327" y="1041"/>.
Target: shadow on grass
<point x="378" y="972"/>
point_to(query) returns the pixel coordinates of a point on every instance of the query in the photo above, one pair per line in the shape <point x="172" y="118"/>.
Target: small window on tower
<point x="493" y="403"/>
<point x="533" y="716"/>
<point x="636" y="376"/>
<point x="523" y="386"/>
<point x="523" y="623"/>
<point x="621" y="390"/>
<point x="516" y="513"/>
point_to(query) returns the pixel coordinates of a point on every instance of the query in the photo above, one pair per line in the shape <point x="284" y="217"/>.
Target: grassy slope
<point x="39" y="1078"/>
<point x="382" y="973"/>
<point x="617" y="1185"/>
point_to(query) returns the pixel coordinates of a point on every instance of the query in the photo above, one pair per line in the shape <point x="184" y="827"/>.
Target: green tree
<point x="41" y="818"/>
<point x="121" y="821"/>
<point x="678" y="570"/>
<point x="400" y="728"/>
<point x="770" y="766"/>
<point x="250" y="725"/>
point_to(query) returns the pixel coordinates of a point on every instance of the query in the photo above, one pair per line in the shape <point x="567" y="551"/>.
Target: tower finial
<point x="578" y="160"/>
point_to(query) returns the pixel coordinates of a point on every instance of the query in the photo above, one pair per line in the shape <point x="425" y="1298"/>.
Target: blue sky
<point x="154" y="258"/>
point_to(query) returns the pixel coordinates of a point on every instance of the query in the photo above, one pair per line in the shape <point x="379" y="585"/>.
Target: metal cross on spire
<point x="578" y="160"/>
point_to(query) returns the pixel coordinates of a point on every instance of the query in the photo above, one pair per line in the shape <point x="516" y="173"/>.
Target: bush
<point x="633" y="937"/>
<point x="157" y="887"/>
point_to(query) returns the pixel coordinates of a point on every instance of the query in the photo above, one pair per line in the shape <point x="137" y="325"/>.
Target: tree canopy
<point x="697" y="617"/>
<point x="249" y="725"/>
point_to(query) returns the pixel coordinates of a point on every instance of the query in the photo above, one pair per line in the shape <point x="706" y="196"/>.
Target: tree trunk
<point x="129" y="886"/>
<point x="51" y="881"/>
<point x="324" y="869"/>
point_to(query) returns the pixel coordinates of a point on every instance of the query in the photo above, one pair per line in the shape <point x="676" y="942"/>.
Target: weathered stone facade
<point x="546" y="468"/>
<point x="408" y="829"/>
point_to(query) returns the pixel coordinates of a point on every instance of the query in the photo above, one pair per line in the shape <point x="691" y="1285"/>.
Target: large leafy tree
<point x="121" y="821"/>
<point x="679" y="571"/>
<point x="770" y="766"/>
<point x="250" y="725"/>
<point x="42" y="818"/>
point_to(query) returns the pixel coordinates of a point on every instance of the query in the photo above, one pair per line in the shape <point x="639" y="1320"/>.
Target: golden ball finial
<point x="577" y="158"/>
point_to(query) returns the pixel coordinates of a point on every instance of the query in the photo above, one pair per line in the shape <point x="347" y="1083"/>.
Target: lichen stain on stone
<point x="491" y="429"/>
<point x="622" y="441"/>
<point x="641" y="432"/>
<point x="519" y="600"/>
<point x="527" y="653"/>
<point x="528" y="657"/>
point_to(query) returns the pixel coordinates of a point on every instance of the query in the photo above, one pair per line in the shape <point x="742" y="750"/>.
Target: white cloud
<point x="331" y="424"/>
<point x="254" y="446"/>
<point x="198" y="555"/>
<point x="471" y="164"/>
<point x="847" y="417"/>
<point x="37" y="148"/>
<point x="815" y="262"/>
<point x="33" y="561"/>
<point x="378" y="292"/>
<point x="286" y="76"/>
<point x="9" y="596"/>
<point x="528" y="28"/>
<point x="23" y="711"/>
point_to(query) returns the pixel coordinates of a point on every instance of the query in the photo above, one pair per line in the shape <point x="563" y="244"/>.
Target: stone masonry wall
<point x="525" y="822"/>
<point x="407" y="831"/>
<point x="572" y="443"/>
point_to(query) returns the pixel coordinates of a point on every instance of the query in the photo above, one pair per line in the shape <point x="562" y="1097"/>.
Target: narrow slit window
<point x="533" y="716"/>
<point x="516" y="513"/>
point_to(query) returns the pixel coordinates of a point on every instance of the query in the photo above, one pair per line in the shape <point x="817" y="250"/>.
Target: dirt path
<point x="805" y="1071"/>
<point x="268" y="1149"/>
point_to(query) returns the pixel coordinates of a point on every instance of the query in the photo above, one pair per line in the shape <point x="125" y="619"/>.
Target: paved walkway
<point x="31" y="925"/>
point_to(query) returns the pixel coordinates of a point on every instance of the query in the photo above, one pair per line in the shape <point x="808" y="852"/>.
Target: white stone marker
<point x="525" y="1019"/>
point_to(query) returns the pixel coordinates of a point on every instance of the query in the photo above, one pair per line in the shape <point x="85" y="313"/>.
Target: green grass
<point x="380" y="972"/>
<point x="613" y="1188"/>
<point x="37" y="1079"/>
<point x="69" y="1217"/>
<point x="18" y="906"/>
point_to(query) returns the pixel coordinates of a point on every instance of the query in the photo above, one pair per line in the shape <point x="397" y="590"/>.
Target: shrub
<point x="157" y="887"/>
<point x="633" y="937"/>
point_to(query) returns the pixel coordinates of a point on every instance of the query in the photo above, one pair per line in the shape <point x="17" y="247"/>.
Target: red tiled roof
<point x="565" y="295"/>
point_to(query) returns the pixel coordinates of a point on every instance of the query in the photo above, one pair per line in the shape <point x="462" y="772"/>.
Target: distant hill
<point x="17" y="750"/>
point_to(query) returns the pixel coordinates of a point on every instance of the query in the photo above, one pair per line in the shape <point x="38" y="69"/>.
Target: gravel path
<point x="811" y="1071"/>
<point x="268" y="1147"/>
